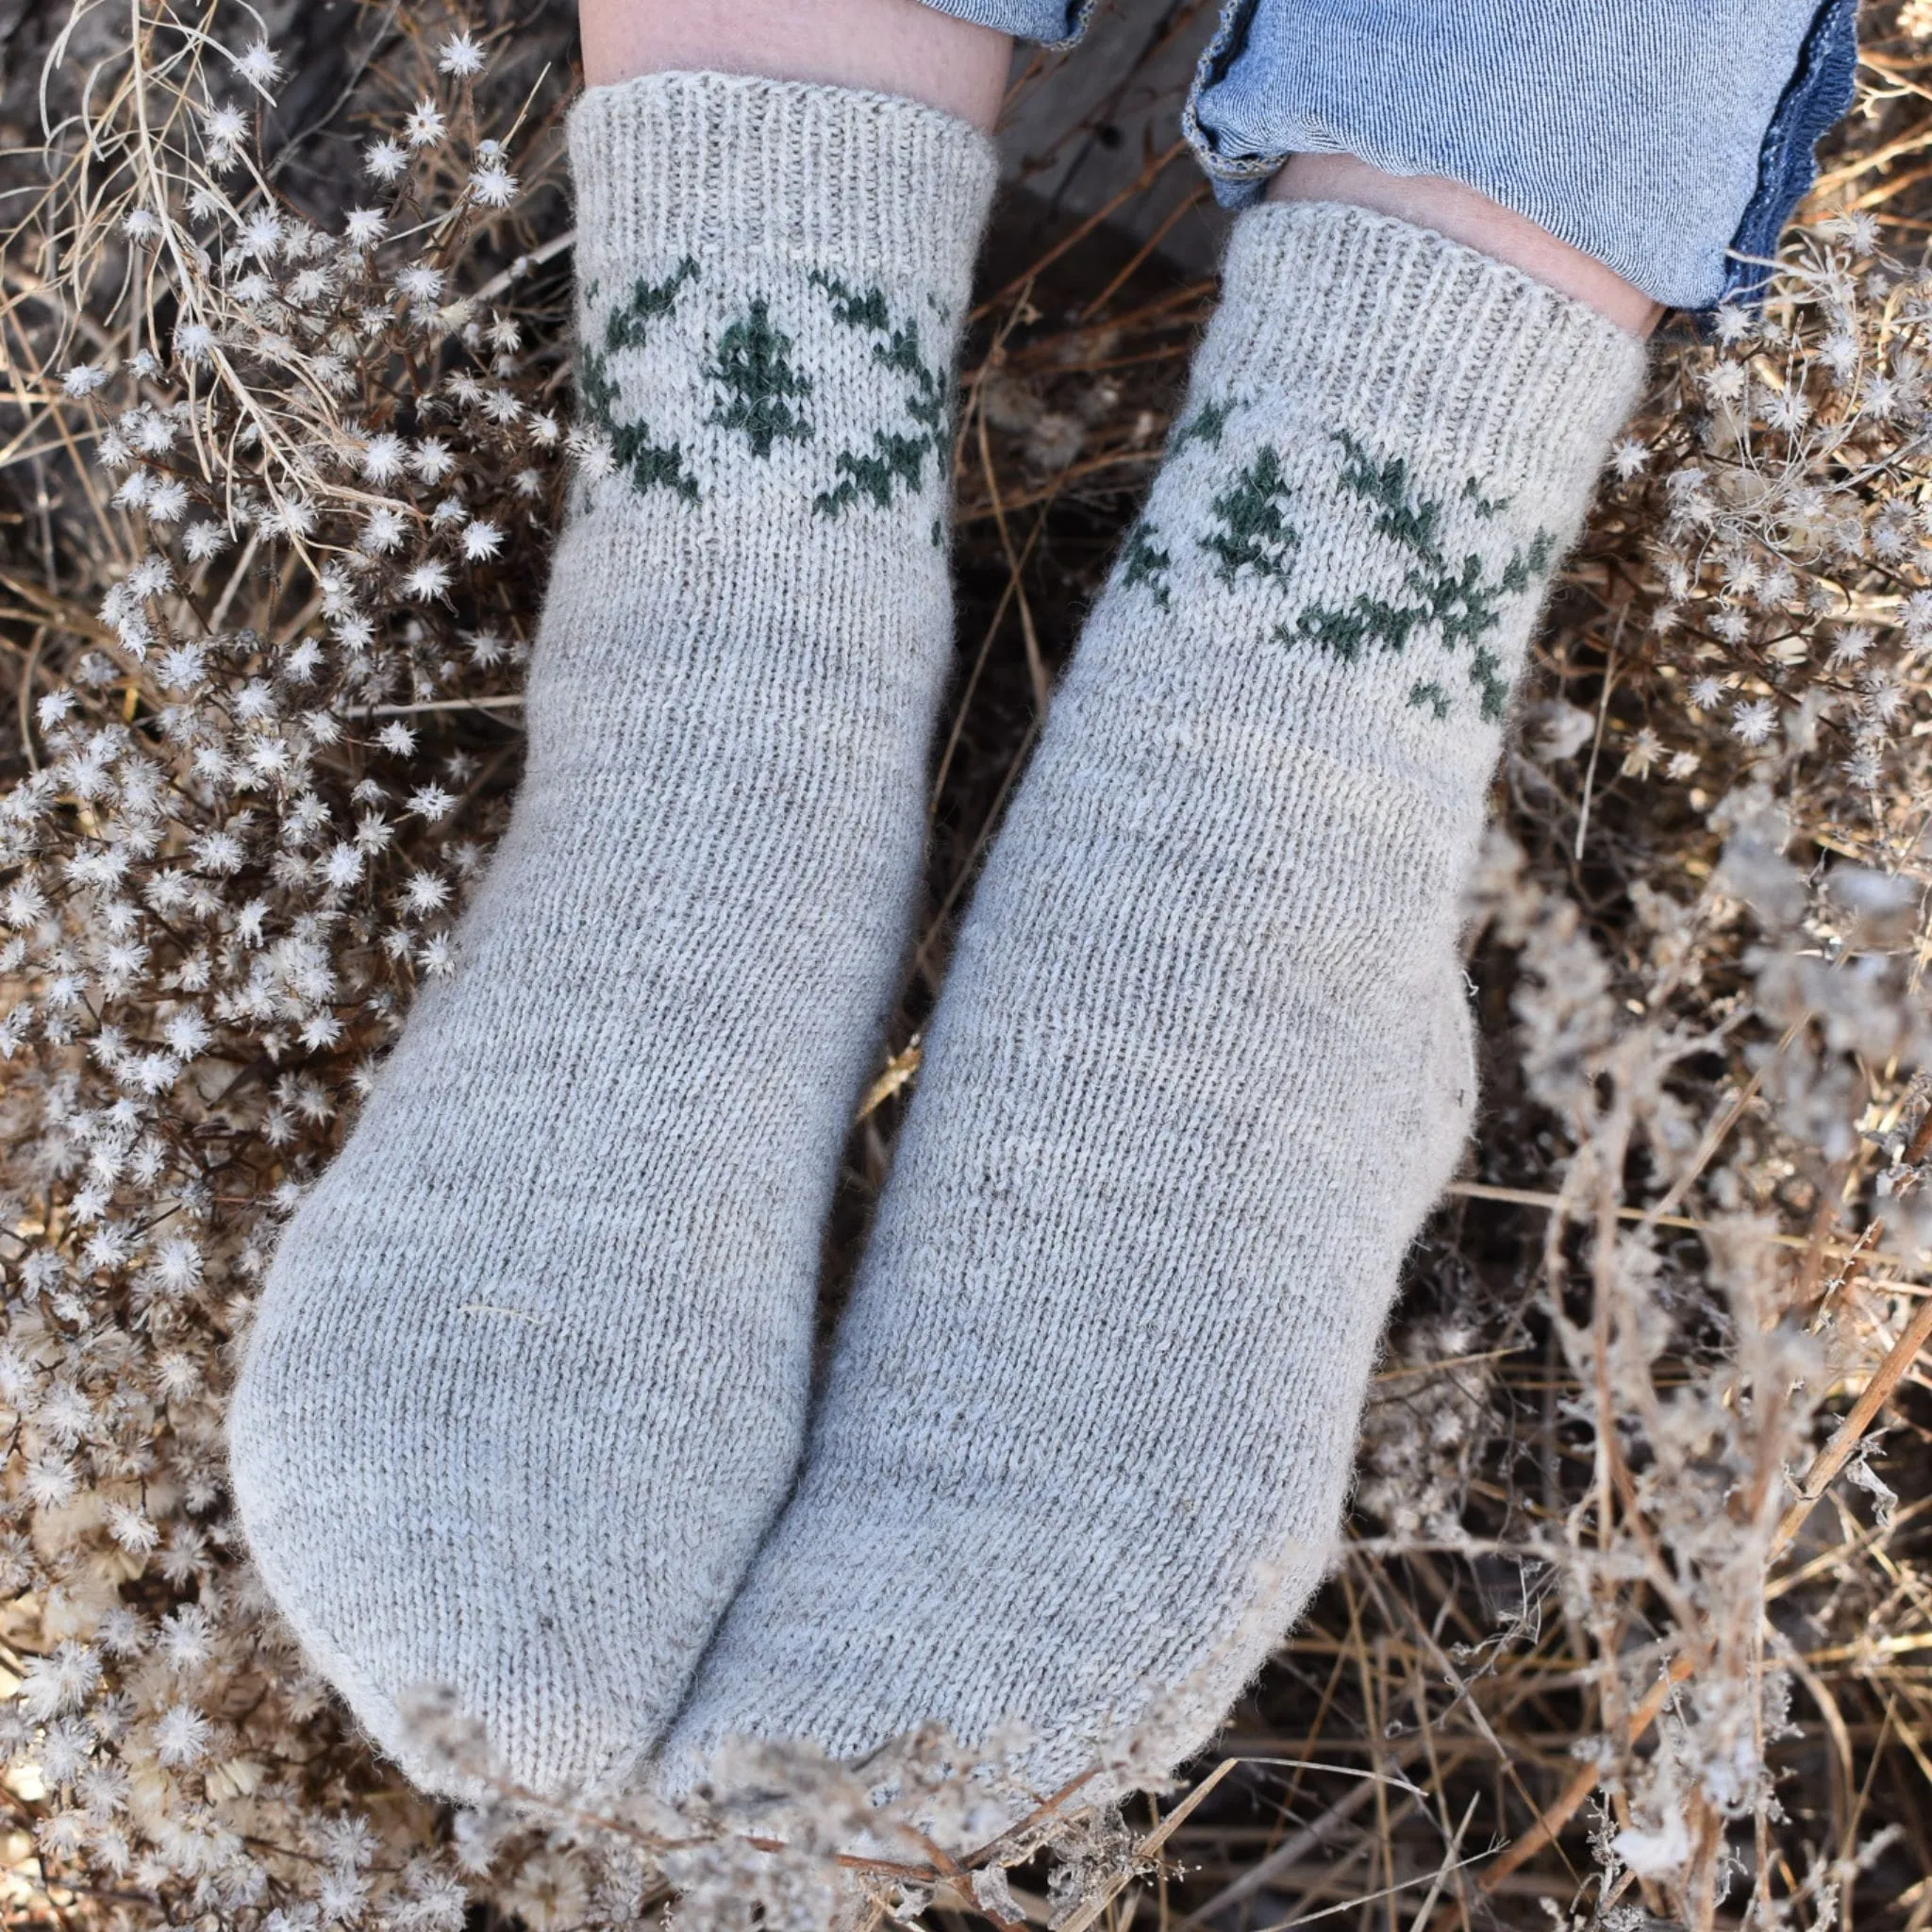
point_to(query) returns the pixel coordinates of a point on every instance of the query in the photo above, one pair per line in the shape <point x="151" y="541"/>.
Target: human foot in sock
<point x="1201" y="1063"/>
<point x="528" y="1378"/>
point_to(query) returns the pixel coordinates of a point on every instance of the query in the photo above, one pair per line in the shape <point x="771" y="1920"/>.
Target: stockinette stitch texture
<point x="1203" y="1061"/>
<point x="528" y="1378"/>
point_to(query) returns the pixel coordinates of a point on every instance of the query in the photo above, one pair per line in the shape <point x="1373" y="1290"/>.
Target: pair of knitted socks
<point x="523" y="1409"/>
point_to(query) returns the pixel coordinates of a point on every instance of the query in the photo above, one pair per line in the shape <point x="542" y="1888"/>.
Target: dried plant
<point x="1633" y="1626"/>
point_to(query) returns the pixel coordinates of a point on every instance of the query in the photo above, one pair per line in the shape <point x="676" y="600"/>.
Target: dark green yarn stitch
<point x="894" y="458"/>
<point x="649" y="465"/>
<point x="1143" y="561"/>
<point x="856" y="310"/>
<point x="1205" y="425"/>
<point x="1367" y="621"/>
<point x="901" y="355"/>
<point x="1386" y="486"/>
<point x="595" y="390"/>
<point x="1486" y="506"/>
<point x="647" y="301"/>
<point x="1253" y="534"/>
<point x="1464" y="600"/>
<point x="753" y="366"/>
<point x="1486" y="674"/>
<point x="1414" y="521"/>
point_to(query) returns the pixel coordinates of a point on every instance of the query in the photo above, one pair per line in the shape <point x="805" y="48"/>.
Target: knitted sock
<point x="1203" y="1061"/>
<point x="528" y="1379"/>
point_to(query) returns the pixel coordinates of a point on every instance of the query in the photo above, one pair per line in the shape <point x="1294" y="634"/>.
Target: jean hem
<point x="1815" y="98"/>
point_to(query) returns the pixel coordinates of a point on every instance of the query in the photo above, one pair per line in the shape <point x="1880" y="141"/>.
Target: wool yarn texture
<point x="1204" y="1058"/>
<point x="528" y="1378"/>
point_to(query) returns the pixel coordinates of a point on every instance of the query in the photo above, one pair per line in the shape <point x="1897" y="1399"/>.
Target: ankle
<point x="1472" y="218"/>
<point x="901" y="47"/>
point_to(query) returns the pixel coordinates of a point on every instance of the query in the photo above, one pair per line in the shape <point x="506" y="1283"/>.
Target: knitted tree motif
<point x="897" y="457"/>
<point x="1144" y="561"/>
<point x="1253" y="534"/>
<point x="753" y="367"/>
<point x="1464" y="598"/>
<point x="647" y="464"/>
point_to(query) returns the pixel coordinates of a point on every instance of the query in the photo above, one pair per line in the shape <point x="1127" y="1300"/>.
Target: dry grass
<point x="1634" y="1626"/>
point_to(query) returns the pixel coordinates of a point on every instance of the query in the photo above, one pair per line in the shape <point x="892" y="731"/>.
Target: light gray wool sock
<point x="528" y="1379"/>
<point x="1203" y="1061"/>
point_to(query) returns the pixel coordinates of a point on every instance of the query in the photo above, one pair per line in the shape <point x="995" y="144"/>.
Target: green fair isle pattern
<point x="1461" y="598"/>
<point x="1144" y="561"/>
<point x="649" y="464"/>
<point x="752" y="368"/>
<point x="897" y="458"/>
<point x="1254" y="533"/>
<point x="759" y="390"/>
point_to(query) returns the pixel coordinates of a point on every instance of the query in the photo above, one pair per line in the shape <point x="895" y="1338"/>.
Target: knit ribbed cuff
<point x="1416" y="342"/>
<point x="829" y="177"/>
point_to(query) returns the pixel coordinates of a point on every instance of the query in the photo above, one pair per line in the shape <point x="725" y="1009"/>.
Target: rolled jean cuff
<point x="1670" y="138"/>
<point x="1054" y="23"/>
<point x="1602" y="120"/>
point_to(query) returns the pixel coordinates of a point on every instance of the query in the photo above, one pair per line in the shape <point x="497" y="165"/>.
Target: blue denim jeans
<point x="1670" y="138"/>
